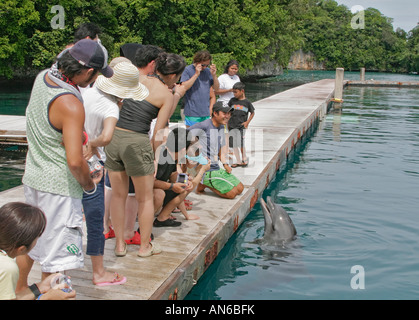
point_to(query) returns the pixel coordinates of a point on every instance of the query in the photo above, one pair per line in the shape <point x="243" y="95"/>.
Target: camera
<point x="182" y="178"/>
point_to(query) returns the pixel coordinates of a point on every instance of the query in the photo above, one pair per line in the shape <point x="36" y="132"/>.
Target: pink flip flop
<point x="114" y="282"/>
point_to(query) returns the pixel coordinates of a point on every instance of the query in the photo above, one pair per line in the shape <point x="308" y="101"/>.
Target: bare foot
<point x="200" y="188"/>
<point x="192" y="216"/>
<point x="107" y="277"/>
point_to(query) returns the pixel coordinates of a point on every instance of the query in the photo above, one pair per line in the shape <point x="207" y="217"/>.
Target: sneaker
<point x="166" y="223"/>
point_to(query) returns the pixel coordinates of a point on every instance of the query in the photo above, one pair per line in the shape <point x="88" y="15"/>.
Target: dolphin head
<point x="278" y="225"/>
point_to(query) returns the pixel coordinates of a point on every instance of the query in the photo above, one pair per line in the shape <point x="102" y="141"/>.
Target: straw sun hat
<point x="124" y="83"/>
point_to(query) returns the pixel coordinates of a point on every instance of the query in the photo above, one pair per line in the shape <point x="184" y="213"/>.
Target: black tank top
<point x="137" y="115"/>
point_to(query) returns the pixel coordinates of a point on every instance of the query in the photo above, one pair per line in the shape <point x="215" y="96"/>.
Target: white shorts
<point x="60" y="247"/>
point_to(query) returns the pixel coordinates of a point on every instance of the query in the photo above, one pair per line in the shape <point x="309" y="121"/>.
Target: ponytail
<point x="170" y="63"/>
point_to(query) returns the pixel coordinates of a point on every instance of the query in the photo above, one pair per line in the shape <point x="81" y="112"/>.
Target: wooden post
<point x="339" y="85"/>
<point x="362" y="74"/>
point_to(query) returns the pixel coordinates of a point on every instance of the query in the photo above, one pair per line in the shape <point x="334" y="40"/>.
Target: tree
<point x="251" y="31"/>
<point x="17" y="20"/>
<point x="413" y="47"/>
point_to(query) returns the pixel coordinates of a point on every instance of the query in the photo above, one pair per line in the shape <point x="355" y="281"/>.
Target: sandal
<point x="136" y="238"/>
<point x="122" y="253"/>
<point x="155" y="249"/>
<point x="188" y="204"/>
<point x="116" y="280"/>
<point x="110" y="234"/>
<point x="235" y="165"/>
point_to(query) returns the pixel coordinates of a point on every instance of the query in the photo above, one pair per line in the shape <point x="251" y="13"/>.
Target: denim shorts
<point x="131" y="189"/>
<point x="130" y="152"/>
<point x="94" y="211"/>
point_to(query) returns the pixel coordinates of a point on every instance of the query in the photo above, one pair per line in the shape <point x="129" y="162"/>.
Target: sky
<point x="405" y="13"/>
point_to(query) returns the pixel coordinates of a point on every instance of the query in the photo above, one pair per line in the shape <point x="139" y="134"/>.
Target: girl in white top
<point x="227" y="80"/>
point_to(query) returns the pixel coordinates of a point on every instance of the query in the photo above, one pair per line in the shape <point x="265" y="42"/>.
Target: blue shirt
<point x="211" y="139"/>
<point x="197" y="98"/>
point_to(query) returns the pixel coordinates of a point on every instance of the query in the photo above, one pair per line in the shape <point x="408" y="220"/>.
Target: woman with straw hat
<point x="131" y="153"/>
<point x="102" y="113"/>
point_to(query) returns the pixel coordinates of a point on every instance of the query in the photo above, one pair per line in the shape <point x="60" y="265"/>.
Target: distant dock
<point x="281" y="122"/>
<point x="378" y="83"/>
<point x="13" y="130"/>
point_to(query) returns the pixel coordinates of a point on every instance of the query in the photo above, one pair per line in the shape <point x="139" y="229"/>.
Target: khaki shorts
<point x="60" y="247"/>
<point x="130" y="152"/>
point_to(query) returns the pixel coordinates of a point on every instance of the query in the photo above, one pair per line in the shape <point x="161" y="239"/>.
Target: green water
<point x="352" y="193"/>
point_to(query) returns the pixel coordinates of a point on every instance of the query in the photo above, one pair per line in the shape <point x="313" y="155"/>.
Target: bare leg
<point x="99" y="272"/>
<point x="25" y="264"/>
<point x="237" y="155"/>
<point x="244" y="156"/>
<point x="107" y="216"/>
<point x="131" y="213"/>
<point x="144" y="195"/>
<point x="119" y="182"/>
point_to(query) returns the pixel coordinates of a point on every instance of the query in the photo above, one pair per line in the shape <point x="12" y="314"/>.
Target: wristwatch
<point x="35" y="290"/>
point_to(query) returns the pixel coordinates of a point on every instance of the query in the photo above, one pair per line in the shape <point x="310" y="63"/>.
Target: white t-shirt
<point x="98" y="106"/>
<point x="227" y="82"/>
<point x="9" y="274"/>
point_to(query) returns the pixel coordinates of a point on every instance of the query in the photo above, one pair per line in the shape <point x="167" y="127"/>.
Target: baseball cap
<point x="222" y="106"/>
<point x="92" y="54"/>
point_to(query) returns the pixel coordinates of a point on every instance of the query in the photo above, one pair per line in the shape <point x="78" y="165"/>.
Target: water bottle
<point x="95" y="166"/>
<point x="62" y="282"/>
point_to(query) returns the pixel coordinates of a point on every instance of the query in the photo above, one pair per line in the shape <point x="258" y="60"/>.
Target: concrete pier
<point x="339" y="85"/>
<point x="280" y="123"/>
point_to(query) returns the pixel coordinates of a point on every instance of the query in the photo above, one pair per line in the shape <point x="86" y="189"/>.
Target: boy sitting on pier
<point x="170" y="191"/>
<point x="239" y="122"/>
<point x="212" y="139"/>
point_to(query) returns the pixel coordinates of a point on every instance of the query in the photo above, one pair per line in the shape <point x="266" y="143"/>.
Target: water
<point x="351" y="192"/>
<point x="14" y="98"/>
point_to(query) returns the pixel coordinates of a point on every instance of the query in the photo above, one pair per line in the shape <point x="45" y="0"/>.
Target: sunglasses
<point x="205" y="65"/>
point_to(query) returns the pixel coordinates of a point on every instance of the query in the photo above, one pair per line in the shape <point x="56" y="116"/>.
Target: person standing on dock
<point x="56" y="172"/>
<point x="227" y="80"/>
<point x="101" y="105"/>
<point x="239" y="122"/>
<point x="131" y="153"/>
<point x="198" y="80"/>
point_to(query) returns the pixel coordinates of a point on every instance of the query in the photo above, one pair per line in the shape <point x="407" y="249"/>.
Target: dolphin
<point x="279" y="227"/>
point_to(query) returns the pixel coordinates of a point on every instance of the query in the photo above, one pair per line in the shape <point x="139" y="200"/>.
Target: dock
<point x="281" y="122"/>
<point x="377" y="83"/>
<point x="13" y="130"/>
